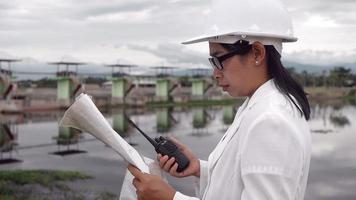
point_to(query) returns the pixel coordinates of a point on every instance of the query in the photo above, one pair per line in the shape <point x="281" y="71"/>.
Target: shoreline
<point x="45" y="99"/>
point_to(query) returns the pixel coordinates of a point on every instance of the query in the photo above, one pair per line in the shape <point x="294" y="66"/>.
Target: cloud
<point x="69" y="58"/>
<point x="70" y="25"/>
<point x="341" y="12"/>
<point x="174" y="54"/>
<point x="98" y="8"/>
<point x="317" y="20"/>
<point x="150" y="31"/>
<point x="127" y="17"/>
<point x="319" y="57"/>
<point x="5" y="55"/>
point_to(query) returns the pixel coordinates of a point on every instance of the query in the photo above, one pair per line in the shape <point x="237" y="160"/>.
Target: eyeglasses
<point x="216" y="61"/>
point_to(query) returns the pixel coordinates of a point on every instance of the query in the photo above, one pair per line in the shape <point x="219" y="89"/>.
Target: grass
<point x="202" y="103"/>
<point x="106" y="196"/>
<point x="351" y="95"/>
<point x="42" y="185"/>
<point x="327" y="92"/>
<point x="42" y="177"/>
<point x="5" y="191"/>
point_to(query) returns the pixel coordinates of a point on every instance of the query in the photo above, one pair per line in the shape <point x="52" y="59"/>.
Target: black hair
<point x="282" y="78"/>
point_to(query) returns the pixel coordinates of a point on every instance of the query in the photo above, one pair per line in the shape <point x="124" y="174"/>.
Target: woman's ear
<point x="259" y="52"/>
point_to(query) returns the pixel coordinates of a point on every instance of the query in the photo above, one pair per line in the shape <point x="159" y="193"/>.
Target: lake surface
<point x="37" y="142"/>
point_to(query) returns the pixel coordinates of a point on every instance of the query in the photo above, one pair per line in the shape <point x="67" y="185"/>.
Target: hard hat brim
<point x="239" y="36"/>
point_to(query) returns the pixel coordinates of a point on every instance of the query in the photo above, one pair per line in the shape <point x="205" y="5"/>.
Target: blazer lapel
<point x="215" y="155"/>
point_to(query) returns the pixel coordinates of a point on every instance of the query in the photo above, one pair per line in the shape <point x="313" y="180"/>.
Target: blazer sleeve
<point x="271" y="159"/>
<point x="258" y="186"/>
<point x="200" y="182"/>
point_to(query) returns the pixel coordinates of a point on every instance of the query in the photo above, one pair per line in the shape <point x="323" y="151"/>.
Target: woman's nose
<point x="217" y="74"/>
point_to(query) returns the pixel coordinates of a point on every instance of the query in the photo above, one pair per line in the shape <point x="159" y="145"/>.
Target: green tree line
<point x="336" y="77"/>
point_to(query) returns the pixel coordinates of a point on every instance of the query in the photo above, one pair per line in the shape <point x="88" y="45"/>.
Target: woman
<point x="265" y="153"/>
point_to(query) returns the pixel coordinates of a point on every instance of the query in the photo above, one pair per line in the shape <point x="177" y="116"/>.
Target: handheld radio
<point x="164" y="146"/>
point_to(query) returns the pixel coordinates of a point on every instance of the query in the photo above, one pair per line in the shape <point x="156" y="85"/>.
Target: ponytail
<point x="285" y="83"/>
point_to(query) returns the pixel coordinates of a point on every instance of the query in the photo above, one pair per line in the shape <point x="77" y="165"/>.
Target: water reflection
<point x="202" y="119"/>
<point x="165" y="119"/>
<point x="229" y="112"/>
<point x="331" y="118"/>
<point x="8" y="138"/>
<point x="199" y="118"/>
<point x="68" y="138"/>
<point x="333" y="165"/>
<point x="121" y="125"/>
<point x="339" y="120"/>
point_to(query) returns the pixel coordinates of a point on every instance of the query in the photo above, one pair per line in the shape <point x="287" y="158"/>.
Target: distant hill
<point x="33" y="66"/>
<point x="310" y="68"/>
<point x="352" y="66"/>
<point x="305" y="67"/>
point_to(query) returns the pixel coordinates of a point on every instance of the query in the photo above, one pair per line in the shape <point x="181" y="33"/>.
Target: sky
<point x="150" y="32"/>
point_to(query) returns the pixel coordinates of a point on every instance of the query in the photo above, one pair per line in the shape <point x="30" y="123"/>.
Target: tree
<point x="339" y="76"/>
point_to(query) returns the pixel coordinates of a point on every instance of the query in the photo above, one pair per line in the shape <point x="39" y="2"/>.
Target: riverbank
<point x="44" y="99"/>
<point x="324" y="93"/>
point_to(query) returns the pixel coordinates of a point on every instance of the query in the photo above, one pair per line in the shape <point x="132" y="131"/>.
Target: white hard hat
<point x="266" y="21"/>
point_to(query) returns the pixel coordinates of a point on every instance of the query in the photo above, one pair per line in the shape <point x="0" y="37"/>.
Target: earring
<point x="256" y="62"/>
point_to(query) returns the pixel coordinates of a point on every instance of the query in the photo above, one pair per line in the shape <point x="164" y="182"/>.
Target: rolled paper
<point x="85" y="116"/>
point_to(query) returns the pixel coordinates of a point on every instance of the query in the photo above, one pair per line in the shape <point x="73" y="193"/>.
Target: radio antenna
<point x="154" y="143"/>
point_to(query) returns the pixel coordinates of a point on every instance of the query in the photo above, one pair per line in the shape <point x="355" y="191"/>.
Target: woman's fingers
<point x="169" y="164"/>
<point x="162" y="161"/>
<point x="173" y="169"/>
<point x="134" y="171"/>
<point x="136" y="183"/>
<point x="159" y="156"/>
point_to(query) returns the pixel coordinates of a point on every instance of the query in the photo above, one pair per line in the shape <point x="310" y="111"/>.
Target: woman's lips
<point x="224" y="87"/>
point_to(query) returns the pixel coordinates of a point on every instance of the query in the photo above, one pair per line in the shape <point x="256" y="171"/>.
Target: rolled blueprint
<point x="85" y="116"/>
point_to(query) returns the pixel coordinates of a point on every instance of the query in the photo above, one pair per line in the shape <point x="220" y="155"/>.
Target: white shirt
<point x="265" y="153"/>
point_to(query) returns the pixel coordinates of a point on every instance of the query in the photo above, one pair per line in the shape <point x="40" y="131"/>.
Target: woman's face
<point x="236" y="77"/>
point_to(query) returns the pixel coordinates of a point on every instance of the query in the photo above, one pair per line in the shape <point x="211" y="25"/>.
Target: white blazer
<point x="265" y="153"/>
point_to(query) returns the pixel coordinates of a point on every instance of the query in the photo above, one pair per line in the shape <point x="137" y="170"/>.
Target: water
<point x="38" y="143"/>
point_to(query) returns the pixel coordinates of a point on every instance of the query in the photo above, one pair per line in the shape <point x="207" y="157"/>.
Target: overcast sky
<point x="149" y="32"/>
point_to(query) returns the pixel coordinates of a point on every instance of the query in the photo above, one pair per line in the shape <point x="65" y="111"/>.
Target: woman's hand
<point x="150" y="186"/>
<point x="170" y="166"/>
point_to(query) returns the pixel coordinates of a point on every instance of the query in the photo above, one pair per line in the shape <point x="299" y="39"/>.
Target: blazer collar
<point x="266" y="89"/>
